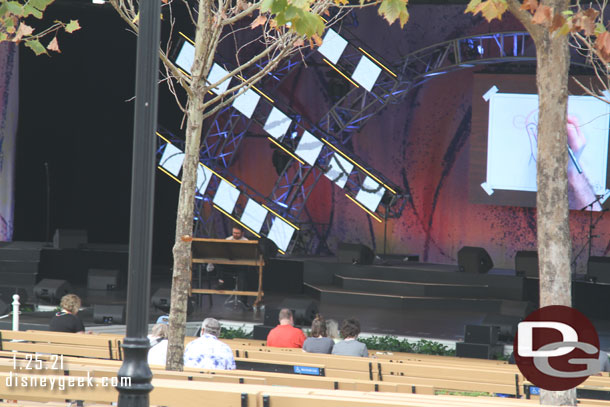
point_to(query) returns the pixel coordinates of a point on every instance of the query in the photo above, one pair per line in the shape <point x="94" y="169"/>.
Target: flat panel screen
<point x="332" y="46"/>
<point x="281" y="233"/>
<point x="370" y="194"/>
<point x="277" y="123"/>
<point x="172" y="159"/>
<point x="246" y="102"/>
<point x="226" y="196"/>
<point x="254" y="215"/>
<point x="217" y="73"/>
<point x="186" y="56"/>
<point x="309" y="148"/>
<point x="366" y="73"/>
<point x="338" y="170"/>
<point x="203" y="178"/>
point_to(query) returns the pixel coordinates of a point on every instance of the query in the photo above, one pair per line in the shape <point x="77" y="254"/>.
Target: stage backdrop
<point x="9" y="109"/>
<point x="424" y="145"/>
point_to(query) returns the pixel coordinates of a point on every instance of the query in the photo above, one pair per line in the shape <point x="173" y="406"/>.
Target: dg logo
<point x="557" y="348"/>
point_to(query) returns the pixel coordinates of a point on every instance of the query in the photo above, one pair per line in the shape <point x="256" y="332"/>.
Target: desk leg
<point x="259" y="297"/>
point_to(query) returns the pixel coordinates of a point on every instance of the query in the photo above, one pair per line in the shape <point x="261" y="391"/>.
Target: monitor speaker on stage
<point x="599" y="269"/>
<point x="526" y="263"/>
<point x="355" y="253"/>
<point x="51" y="290"/>
<point x="108" y="314"/>
<point x="483" y="334"/>
<point x="161" y="299"/>
<point x="69" y="238"/>
<point x="478" y="350"/>
<point x="474" y="260"/>
<point x="303" y="310"/>
<point x="102" y="279"/>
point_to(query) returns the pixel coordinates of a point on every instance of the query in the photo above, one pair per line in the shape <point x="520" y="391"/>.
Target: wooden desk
<point x="232" y="252"/>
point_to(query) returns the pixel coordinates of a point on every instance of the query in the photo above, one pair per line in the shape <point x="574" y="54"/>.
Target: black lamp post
<point x="135" y="345"/>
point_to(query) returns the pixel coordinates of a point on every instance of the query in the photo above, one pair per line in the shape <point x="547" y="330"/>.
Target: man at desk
<point x="237" y="233"/>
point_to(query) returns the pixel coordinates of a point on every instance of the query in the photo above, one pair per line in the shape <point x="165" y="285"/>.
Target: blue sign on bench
<point x="314" y="371"/>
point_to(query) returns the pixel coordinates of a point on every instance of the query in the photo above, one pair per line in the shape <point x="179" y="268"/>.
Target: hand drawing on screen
<point x="580" y="191"/>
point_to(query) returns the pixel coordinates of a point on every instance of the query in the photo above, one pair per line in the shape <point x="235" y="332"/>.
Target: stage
<point x="402" y="298"/>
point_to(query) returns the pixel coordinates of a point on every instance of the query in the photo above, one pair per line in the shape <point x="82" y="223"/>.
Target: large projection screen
<point x="503" y="151"/>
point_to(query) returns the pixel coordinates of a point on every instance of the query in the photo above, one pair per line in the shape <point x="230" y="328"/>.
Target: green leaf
<point x="31" y="11"/>
<point x="600" y="28"/>
<point x="72" y="26"/>
<point x="393" y="10"/>
<point x="14" y="7"/>
<point x="472" y="5"/>
<point x="302" y="4"/>
<point x="567" y="13"/>
<point x="266" y="6"/>
<point x="291" y="12"/>
<point x="279" y="6"/>
<point x="3" y="36"/>
<point x="36" y="46"/>
<point x="40" y="4"/>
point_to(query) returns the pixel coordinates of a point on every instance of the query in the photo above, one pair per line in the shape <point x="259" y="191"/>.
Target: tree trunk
<point x="186" y="201"/>
<point x="553" y="229"/>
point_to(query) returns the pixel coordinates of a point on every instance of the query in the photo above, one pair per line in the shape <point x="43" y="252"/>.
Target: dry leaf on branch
<point x="54" y="45"/>
<point x="530" y="5"/>
<point x="260" y="20"/>
<point x="543" y="15"/>
<point x="23" y="31"/>
<point x="602" y="44"/>
<point x="558" y="22"/>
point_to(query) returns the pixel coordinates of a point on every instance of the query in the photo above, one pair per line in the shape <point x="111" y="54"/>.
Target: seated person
<point x="332" y="330"/>
<point x="66" y="320"/>
<point x="318" y="342"/>
<point x="285" y="335"/>
<point x="157" y="354"/>
<point x="207" y="352"/>
<point x="349" y="346"/>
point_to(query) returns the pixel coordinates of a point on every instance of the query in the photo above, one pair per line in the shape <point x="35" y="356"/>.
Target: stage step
<point x="20" y="251"/>
<point x="18" y="266"/>
<point x="494" y="285"/>
<point x="342" y="296"/>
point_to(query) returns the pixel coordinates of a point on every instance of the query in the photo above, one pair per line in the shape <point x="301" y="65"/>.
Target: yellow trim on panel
<point x="163" y="138"/>
<point x="358" y="165"/>
<point x="170" y="174"/>
<point x="377" y="62"/>
<point x="218" y="175"/>
<point x="362" y="206"/>
<point x="257" y="89"/>
<point x="282" y="218"/>
<point x="186" y="38"/>
<point x="281" y="251"/>
<point x="286" y="150"/>
<point x="234" y="219"/>
<point x="341" y="73"/>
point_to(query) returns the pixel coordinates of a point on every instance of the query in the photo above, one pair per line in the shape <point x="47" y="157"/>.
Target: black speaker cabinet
<point x="478" y="350"/>
<point x="483" y="334"/>
<point x="51" y="290"/>
<point x="161" y="299"/>
<point x="260" y="332"/>
<point x="271" y="316"/>
<point x="303" y="311"/>
<point x="108" y="314"/>
<point x="599" y="269"/>
<point x="101" y="279"/>
<point x="355" y="253"/>
<point x="474" y="260"/>
<point x="69" y="238"/>
<point x="526" y="264"/>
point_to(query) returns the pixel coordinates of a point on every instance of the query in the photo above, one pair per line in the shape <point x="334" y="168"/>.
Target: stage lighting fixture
<point x="332" y="46"/>
<point x="338" y="170"/>
<point x="226" y="196"/>
<point x="204" y="174"/>
<point x="246" y="102"/>
<point x="277" y="123"/>
<point x="309" y="148"/>
<point x="254" y="215"/>
<point x="172" y="159"/>
<point x="366" y="73"/>
<point x="370" y="194"/>
<point x="281" y="233"/>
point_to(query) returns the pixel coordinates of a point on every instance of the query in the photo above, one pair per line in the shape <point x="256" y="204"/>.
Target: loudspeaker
<point x="303" y="310"/>
<point x="161" y="299"/>
<point x="69" y="238"/>
<point x="260" y="332"/>
<point x="271" y="316"/>
<point x="478" y="350"/>
<point x="355" y="253"/>
<point x="474" y="260"/>
<point x="100" y="279"/>
<point x="108" y="314"/>
<point x="51" y="290"/>
<point x="526" y="264"/>
<point x="483" y="334"/>
<point x="599" y="269"/>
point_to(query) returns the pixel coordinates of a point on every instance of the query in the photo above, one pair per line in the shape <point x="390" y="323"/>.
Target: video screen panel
<point x="503" y="153"/>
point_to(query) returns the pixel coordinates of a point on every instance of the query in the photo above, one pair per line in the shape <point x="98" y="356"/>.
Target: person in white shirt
<point x="207" y="352"/>
<point x="157" y="354"/>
